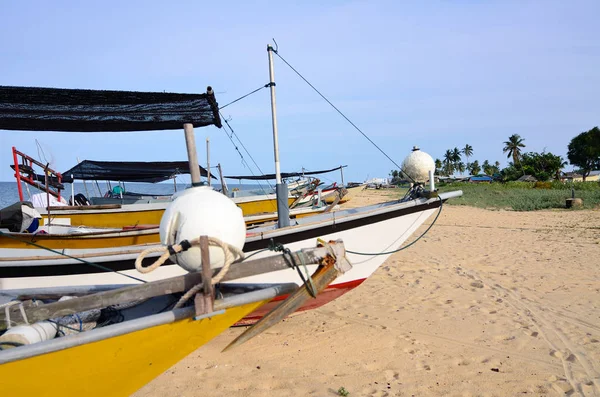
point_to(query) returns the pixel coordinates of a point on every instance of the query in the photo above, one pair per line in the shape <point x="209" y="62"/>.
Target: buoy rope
<point x="232" y="254"/>
<point x="406" y="246"/>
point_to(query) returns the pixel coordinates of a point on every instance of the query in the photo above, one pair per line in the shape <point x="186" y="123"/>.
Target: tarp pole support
<point x="208" y="160"/>
<point x="190" y="144"/>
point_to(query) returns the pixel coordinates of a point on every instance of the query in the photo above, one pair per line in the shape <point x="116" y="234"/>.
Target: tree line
<point x="583" y="152"/>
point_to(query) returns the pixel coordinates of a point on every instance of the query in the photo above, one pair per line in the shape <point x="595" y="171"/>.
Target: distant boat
<point x="120" y="210"/>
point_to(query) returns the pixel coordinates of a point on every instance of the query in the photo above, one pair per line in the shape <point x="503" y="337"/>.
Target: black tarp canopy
<point x="128" y="171"/>
<point x="283" y="174"/>
<point x="58" y="109"/>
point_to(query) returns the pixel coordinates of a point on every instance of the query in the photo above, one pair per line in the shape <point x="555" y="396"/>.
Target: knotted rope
<point x="232" y="254"/>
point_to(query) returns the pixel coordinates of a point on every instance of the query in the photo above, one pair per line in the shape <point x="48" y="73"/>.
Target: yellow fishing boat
<point x="116" y="357"/>
<point x="89" y="364"/>
<point x="121" y="215"/>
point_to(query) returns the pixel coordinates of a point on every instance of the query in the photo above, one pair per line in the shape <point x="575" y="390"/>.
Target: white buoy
<point x="201" y="211"/>
<point x="417" y="165"/>
<point x="29" y="334"/>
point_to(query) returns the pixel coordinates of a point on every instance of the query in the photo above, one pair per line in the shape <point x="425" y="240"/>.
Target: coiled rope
<point x="232" y="254"/>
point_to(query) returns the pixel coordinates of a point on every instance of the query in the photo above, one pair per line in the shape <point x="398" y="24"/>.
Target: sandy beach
<point x="490" y="303"/>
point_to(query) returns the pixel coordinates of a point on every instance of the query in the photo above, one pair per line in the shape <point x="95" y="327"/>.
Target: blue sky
<point x="437" y="74"/>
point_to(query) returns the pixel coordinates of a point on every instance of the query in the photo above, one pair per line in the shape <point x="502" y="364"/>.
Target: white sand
<point x="492" y="303"/>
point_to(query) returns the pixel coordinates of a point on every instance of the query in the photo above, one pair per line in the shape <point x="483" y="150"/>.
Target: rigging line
<point x="72" y="257"/>
<point x="246" y="150"/>
<point x="407" y="245"/>
<point x="244" y="96"/>
<point x="244" y="162"/>
<point x="342" y="114"/>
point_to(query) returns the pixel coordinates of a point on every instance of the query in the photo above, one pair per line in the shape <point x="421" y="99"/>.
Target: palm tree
<point x="456" y="156"/>
<point x="475" y="168"/>
<point x="513" y="147"/>
<point x="467" y="151"/>
<point x="487" y="168"/>
<point x="461" y="167"/>
<point x="449" y="162"/>
<point x="497" y="167"/>
<point x="438" y="166"/>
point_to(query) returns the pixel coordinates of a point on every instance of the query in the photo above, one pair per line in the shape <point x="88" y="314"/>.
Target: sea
<point x="9" y="193"/>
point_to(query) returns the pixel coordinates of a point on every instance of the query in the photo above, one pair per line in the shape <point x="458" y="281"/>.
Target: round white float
<point x="201" y="211"/>
<point x="418" y="164"/>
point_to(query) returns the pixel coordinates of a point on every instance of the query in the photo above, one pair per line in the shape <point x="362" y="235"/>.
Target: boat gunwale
<point x="126" y="327"/>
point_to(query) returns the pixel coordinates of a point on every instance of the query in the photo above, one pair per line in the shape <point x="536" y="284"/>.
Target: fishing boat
<point x="145" y="329"/>
<point x="371" y="233"/>
<point x="109" y="328"/>
<point x="116" y="208"/>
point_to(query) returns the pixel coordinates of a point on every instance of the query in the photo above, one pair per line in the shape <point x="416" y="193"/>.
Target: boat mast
<point x="283" y="210"/>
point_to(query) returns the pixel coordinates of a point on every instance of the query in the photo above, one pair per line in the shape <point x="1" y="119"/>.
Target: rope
<point x="232" y="254"/>
<point x="6" y="306"/>
<point x="342" y="114"/>
<point x="71" y="257"/>
<point x="12" y="344"/>
<point x="244" y="96"/>
<point x="408" y="245"/>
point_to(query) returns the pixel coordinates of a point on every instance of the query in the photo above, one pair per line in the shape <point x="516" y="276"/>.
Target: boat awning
<point x="128" y="171"/>
<point x="283" y="174"/>
<point x="57" y="109"/>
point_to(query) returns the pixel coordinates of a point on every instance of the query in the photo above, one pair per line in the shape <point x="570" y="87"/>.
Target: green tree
<point x="456" y="157"/>
<point x="487" y="168"/>
<point x="461" y="167"/>
<point x="543" y="166"/>
<point x="513" y="147"/>
<point x="496" y="168"/>
<point x="468" y="152"/>
<point x="438" y="167"/>
<point x="448" y="162"/>
<point x="475" y="168"/>
<point x="584" y="151"/>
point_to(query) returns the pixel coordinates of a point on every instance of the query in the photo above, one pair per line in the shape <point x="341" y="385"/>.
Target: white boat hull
<point x="383" y="231"/>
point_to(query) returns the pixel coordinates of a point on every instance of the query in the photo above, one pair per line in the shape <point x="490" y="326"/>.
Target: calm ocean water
<point x="9" y="193"/>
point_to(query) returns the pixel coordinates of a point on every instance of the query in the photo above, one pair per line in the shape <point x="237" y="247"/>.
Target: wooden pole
<point x="208" y="160"/>
<point x="223" y="183"/>
<point x="342" y="172"/>
<point x="190" y="143"/>
<point x="205" y="301"/>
